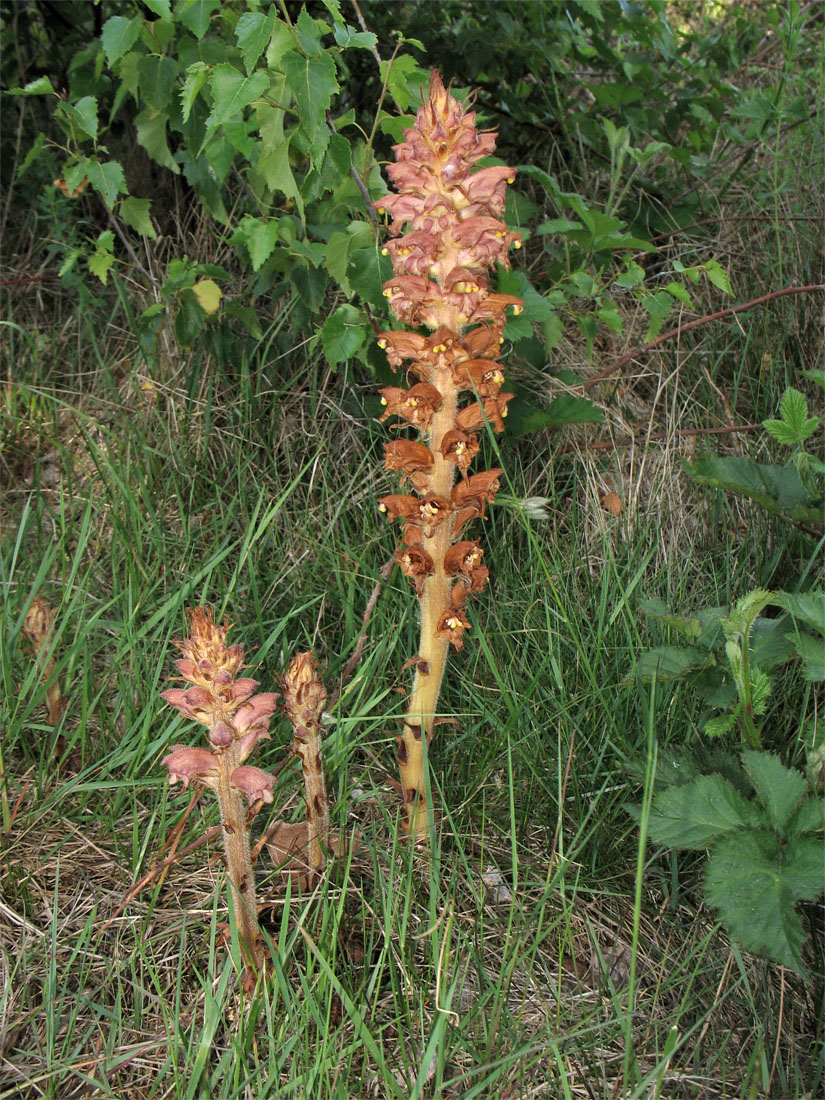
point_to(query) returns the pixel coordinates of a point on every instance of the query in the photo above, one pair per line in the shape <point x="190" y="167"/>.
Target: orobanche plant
<point x="236" y="719"/>
<point x="454" y="235"/>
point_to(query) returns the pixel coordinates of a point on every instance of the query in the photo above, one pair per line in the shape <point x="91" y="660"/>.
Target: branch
<point x="729" y="312"/>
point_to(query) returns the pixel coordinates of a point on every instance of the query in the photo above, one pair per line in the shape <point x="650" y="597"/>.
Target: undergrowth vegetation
<point x="621" y="893"/>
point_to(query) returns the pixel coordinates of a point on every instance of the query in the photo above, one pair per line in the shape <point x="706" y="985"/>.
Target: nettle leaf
<point x="232" y="91"/>
<point x="343" y="334"/>
<point x="778" y="788"/>
<point x="135" y="212"/>
<point x="253" y="32"/>
<point x="696" y="814"/>
<point x="313" y="83"/>
<point x="119" y="35"/>
<point x="196" y="15"/>
<point x="755" y="889"/>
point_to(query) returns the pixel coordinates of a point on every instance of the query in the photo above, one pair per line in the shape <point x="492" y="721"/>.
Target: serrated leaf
<point x="209" y="295"/>
<point x="348" y="38"/>
<point x="157" y="76"/>
<point x="196" y="75"/>
<point x="778" y="788"/>
<point x="313" y="83"/>
<point x="309" y="32"/>
<point x="151" y="135"/>
<point x="261" y="238"/>
<point x="253" y="32"/>
<point x="367" y="271"/>
<point x="755" y="895"/>
<point x="690" y="628"/>
<point x="135" y="212"/>
<point x="778" y="489"/>
<point x="809" y="818"/>
<point x="657" y="305"/>
<point x="79" y="119"/>
<point x="99" y="264"/>
<point x="795" y="425"/>
<point x="160" y="8"/>
<point x="196" y="15"/>
<point x="812" y="652"/>
<point x="681" y="293"/>
<point x="720" y="727"/>
<point x="41" y="86"/>
<point x="817" y="376"/>
<point x="343" y="334"/>
<point x="232" y="92"/>
<point x="190" y="320"/>
<point x="670" y="662"/>
<point x="566" y="409"/>
<point x="695" y="814"/>
<point x="107" y="179"/>
<point x="718" y="276"/>
<point x="119" y="35"/>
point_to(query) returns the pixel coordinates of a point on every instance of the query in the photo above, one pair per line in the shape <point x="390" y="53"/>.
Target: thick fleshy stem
<point x="236" y="719"/>
<point x="304" y="699"/>
<point x="452" y="210"/>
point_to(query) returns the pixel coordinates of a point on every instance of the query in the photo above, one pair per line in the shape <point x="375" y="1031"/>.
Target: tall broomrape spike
<point x="304" y="699"/>
<point x="441" y="283"/>
<point x="236" y="719"/>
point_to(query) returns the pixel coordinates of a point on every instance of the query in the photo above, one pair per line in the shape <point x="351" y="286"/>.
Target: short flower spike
<point x="447" y="229"/>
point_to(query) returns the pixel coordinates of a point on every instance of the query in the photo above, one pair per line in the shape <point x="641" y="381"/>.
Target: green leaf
<point x="405" y="81"/>
<point x="657" y="305"/>
<point x="343" y="334"/>
<point x="681" y="293"/>
<point x="151" y="135"/>
<point x="159" y="7"/>
<point x="367" y="271"/>
<point x="232" y="91"/>
<point x="809" y="818"/>
<point x="795" y="425"/>
<point x="196" y="76"/>
<point x="313" y="83"/>
<point x="79" y="119"/>
<point x="718" y="276"/>
<point x="261" y="238"/>
<point x="209" y="295"/>
<point x="755" y="894"/>
<point x="690" y="628"/>
<point x="309" y="32"/>
<point x="817" y="376"/>
<point x="135" y="212"/>
<point x="196" y="15"/>
<point x="107" y="179"/>
<point x="157" y="76"/>
<point x="253" y="31"/>
<point x="119" y="35"/>
<point x="695" y="814"/>
<point x="311" y="284"/>
<point x="778" y="788"/>
<point x="812" y="652"/>
<point x="670" y="662"/>
<point x="566" y="409"/>
<point x="190" y="320"/>
<point x="779" y="489"/>
<point x="41" y="86"/>
<point x="348" y="38"/>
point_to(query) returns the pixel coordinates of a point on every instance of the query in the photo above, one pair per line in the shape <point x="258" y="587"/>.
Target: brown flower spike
<point x="451" y="210"/>
<point x="236" y="719"/>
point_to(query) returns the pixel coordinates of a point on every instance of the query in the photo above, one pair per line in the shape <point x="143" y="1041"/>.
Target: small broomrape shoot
<point x="38" y="627"/>
<point x="236" y="719"/>
<point x="304" y="699"/>
<point x="441" y="283"/>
